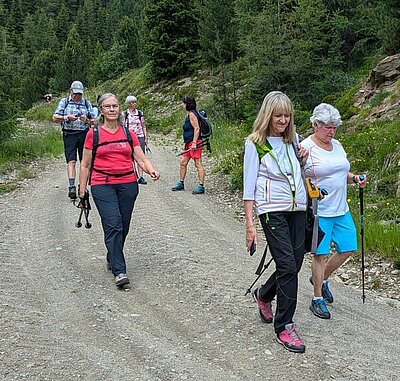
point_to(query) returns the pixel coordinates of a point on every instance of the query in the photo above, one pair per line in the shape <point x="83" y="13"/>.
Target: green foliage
<point x="217" y="31"/>
<point x="228" y="145"/>
<point x="42" y="111"/>
<point x="27" y="144"/>
<point x="172" y="41"/>
<point x="344" y="102"/>
<point x="381" y="224"/>
<point x="375" y="149"/>
<point x="71" y="61"/>
<point x="377" y="99"/>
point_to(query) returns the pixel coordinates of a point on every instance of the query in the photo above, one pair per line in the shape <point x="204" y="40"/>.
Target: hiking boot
<point x="179" y="186"/>
<point x="264" y="308"/>
<point x="121" y="279"/>
<point x="142" y="180"/>
<point x="290" y="339"/>
<point x="72" y="192"/>
<point x="199" y="189"/>
<point x="318" y="308"/>
<point x="326" y="293"/>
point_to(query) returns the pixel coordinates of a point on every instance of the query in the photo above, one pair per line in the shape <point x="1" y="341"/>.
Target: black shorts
<point x="73" y="143"/>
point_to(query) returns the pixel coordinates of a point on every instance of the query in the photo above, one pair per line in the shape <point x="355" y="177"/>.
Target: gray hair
<point x="130" y="99"/>
<point x="102" y="99"/>
<point x="326" y="114"/>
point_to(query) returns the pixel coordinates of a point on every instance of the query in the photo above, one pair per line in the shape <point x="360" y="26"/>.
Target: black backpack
<point x="204" y="124"/>
<point x="96" y="144"/>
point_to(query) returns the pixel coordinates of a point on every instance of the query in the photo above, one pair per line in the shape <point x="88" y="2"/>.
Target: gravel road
<point x="185" y="316"/>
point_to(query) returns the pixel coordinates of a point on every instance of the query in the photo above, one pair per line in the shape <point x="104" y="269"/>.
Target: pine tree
<point x="72" y="62"/>
<point x="217" y="31"/>
<point x="172" y="40"/>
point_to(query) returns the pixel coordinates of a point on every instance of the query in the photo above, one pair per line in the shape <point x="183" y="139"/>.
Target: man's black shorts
<point x="73" y="143"/>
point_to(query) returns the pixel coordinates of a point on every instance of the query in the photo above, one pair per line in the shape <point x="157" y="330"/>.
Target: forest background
<point x="228" y="54"/>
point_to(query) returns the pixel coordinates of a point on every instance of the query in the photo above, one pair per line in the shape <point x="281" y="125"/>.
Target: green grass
<point x="42" y="111"/>
<point x="29" y="143"/>
<point x="381" y="223"/>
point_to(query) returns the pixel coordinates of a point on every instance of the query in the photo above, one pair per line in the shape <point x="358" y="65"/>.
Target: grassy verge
<point x="27" y="144"/>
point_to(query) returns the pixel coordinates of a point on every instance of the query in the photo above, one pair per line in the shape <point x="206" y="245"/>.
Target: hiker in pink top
<point x="110" y="167"/>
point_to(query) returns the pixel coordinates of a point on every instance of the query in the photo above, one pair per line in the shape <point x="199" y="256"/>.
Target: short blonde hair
<point x="275" y="101"/>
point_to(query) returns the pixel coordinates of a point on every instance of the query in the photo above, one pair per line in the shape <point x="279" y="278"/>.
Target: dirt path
<point x="185" y="316"/>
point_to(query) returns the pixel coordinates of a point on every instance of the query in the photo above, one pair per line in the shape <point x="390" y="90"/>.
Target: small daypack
<point x="204" y="124"/>
<point x="96" y="145"/>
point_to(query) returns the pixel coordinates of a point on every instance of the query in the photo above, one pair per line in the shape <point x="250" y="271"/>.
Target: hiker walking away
<point x="191" y="138"/>
<point x="75" y="114"/>
<point x="328" y="167"/>
<point x="273" y="184"/>
<point x="113" y="183"/>
<point x="134" y="120"/>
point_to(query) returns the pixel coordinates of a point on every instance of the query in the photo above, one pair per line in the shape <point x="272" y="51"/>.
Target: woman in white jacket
<point x="273" y="184"/>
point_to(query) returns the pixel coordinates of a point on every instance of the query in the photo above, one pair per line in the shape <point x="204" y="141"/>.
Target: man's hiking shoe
<point x="121" y="280"/>
<point x="72" y="192"/>
<point x="326" y="293"/>
<point x="318" y="308"/>
<point x="179" y="186"/>
<point x="264" y="308"/>
<point x="142" y="180"/>
<point x="198" y="190"/>
<point x="290" y="339"/>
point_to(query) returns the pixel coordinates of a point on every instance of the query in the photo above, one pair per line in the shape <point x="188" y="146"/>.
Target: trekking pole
<point x="260" y="272"/>
<point x="203" y="143"/>
<point x="361" y="195"/>
<point x="78" y="224"/>
<point x="258" y="277"/>
<point x="84" y="206"/>
<point x="88" y="225"/>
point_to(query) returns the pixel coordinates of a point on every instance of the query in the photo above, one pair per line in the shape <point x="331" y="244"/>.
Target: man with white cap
<point x="75" y="115"/>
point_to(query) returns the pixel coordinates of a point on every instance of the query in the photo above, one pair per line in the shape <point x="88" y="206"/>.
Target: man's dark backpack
<point x="96" y="145"/>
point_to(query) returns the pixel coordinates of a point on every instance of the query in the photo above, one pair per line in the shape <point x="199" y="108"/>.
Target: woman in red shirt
<point x="113" y="180"/>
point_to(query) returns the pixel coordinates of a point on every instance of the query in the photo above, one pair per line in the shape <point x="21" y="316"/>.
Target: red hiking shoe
<point x="264" y="308"/>
<point x="290" y="339"/>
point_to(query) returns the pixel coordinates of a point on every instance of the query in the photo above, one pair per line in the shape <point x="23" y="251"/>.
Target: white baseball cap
<point x="77" y="87"/>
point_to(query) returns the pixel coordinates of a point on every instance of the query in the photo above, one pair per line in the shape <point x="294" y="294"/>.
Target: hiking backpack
<point x="96" y="145"/>
<point x="204" y="124"/>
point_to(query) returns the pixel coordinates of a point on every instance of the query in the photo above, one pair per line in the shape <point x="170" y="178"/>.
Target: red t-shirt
<point x="112" y="158"/>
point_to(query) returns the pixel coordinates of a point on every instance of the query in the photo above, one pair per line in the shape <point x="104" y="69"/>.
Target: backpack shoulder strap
<point x="65" y="101"/>
<point x="128" y="137"/>
<point x="263" y="149"/>
<point x="96" y="138"/>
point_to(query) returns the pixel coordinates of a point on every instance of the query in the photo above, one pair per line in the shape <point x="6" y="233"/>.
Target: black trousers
<point x="284" y="232"/>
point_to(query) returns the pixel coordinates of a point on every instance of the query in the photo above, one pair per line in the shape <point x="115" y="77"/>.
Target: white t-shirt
<point x="329" y="170"/>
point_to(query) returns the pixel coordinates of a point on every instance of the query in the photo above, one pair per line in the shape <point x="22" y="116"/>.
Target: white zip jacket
<point x="267" y="184"/>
